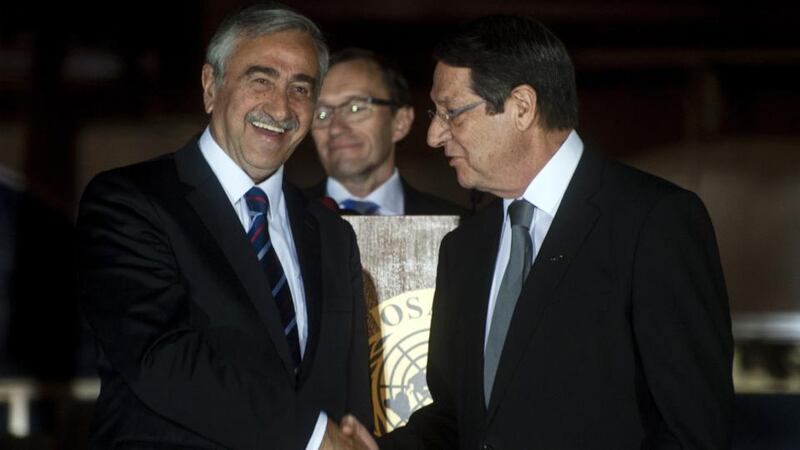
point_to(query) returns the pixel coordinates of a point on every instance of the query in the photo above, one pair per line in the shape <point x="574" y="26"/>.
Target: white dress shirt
<point x="236" y="183"/>
<point x="388" y="196"/>
<point x="545" y="192"/>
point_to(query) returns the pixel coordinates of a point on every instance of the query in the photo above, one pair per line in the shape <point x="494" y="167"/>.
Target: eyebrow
<point x="303" y="77"/>
<point x="268" y="71"/>
<point x="274" y="73"/>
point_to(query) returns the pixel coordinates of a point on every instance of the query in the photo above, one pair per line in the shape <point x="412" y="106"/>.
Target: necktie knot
<point x="257" y="200"/>
<point x="520" y="212"/>
<point x="362" y="207"/>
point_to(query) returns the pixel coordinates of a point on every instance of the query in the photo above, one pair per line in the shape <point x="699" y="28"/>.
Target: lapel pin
<point x="556" y="258"/>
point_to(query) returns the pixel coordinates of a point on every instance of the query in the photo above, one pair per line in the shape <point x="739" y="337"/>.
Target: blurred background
<point x="701" y="92"/>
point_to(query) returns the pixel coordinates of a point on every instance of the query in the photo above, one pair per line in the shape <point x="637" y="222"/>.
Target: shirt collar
<point x="547" y="188"/>
<point x="389" y="195"/>
<point x="235" y="181"/>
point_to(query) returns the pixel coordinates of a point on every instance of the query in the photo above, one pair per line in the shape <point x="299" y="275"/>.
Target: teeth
<point x="268" y="127"/>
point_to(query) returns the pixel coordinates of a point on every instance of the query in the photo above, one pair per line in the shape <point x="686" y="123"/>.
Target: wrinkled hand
<point x="363" y="439"/>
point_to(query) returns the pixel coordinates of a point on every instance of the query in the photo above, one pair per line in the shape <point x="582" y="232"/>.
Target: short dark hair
<point x="393" y="80"/>
<point x="505" y="51"/>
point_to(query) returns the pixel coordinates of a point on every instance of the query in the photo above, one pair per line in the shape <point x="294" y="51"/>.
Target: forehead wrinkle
<point x="445" y="95"/>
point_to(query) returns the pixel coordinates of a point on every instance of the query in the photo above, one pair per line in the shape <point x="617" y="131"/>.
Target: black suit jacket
<point x="620" y="340"/>
<point x="191" y="348"/>
<point x="415" y="202"/>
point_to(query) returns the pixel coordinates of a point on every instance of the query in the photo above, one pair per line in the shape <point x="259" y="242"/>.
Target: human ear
<point x="401" y="123"/>
<point x="209" y="87"/>
<point x="523" y="105"/>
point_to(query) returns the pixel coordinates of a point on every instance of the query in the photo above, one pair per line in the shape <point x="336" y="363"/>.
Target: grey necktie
<point x="520" y="212"/>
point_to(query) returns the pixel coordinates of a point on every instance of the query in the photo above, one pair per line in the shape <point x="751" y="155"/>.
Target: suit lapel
<point x="410" y="198"/>
<point x="316" y="191"/>
<point x="575" y="218"/>
<point x="305" y="232"/>
<point x="212" y="205"/>
<point x="482" y="242"/>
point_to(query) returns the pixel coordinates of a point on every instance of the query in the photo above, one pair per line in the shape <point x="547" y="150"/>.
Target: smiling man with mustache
<point x="227" y="309"/>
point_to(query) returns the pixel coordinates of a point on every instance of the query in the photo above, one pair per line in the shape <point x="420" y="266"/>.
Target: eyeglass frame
<point x="448" y="115"/>
<point x="335" y="109"/>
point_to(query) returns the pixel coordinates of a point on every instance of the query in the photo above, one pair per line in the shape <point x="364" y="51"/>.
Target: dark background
<point x="650" y="73"/>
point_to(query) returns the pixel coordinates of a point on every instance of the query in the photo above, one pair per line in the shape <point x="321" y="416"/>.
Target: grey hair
<point x="256" y="21"/>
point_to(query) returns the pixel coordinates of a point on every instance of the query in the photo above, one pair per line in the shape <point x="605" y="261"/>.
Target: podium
<point x="399" y="255"/>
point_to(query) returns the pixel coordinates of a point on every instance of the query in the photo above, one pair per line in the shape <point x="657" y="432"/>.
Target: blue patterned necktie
<point x="361" y="207"/>
<point x="258" y="203"/>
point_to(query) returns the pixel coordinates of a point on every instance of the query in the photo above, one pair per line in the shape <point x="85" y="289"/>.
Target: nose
<point x="338" y="124"/>
<point x="277" y="106"/>
<point x="438" y="133"/>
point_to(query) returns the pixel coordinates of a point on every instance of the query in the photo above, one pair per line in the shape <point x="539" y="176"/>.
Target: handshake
<point x="349" y="434"/>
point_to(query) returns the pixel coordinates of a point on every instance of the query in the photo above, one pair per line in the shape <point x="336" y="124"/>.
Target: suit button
<point x="487" y="447"/>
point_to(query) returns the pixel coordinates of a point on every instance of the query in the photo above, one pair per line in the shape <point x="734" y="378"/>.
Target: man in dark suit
<point x="585" y="309"/>
<point x="227" y="309"/>
<point x="364" y="110"/>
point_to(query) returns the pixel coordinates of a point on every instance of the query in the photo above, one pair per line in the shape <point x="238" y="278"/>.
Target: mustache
<point x="260" y="116"/>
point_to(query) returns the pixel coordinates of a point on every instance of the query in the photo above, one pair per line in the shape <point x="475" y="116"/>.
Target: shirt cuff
<point x="319" y="431"/>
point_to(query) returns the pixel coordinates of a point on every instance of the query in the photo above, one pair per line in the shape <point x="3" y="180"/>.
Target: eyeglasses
<point x="354" y="110"/>
<point x="448" y="115"/>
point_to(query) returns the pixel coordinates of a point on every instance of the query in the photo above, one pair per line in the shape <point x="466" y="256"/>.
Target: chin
<point x="464" y="181"/>
<point x="347" y="168"/>
<point x="342" y="175"/>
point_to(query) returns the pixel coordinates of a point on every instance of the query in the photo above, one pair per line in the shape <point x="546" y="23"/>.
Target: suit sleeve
<point x="682" y="325"/>
<point x="434" y="426"/>
<point x="359" y="402"/>
<point x="139" y="310"/>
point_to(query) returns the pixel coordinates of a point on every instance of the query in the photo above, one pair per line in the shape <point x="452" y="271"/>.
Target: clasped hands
<point x="349" y="434"/>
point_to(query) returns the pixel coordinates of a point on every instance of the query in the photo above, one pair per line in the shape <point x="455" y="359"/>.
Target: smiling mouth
<point x="268" y="127"/>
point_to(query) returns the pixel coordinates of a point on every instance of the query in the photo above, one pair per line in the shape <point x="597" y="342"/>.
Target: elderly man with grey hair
<point x="227" y="309"/>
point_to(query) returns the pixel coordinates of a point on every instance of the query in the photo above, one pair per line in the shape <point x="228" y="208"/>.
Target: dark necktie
<point x="360" y="207"/>
<point x="258" y="203"/>
<point x="520" y="213"/>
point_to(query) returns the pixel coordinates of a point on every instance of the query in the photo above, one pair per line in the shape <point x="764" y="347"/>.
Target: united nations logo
<point x="399" y="356"/>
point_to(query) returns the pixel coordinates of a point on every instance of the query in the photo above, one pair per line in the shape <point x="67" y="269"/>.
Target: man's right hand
<point x="337" y="439"/>
<point x="350" y="426"/>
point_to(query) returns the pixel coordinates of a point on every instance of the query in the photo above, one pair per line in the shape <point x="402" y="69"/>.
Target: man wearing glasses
<point x="363" y="111"/>
<point x="585" y="308"/>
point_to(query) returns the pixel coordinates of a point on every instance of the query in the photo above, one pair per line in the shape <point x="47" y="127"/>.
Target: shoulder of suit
<point x="324" y="214"/>
<point x="628" y="195"/>
<point x="159" y="174"/>
<point x="630" y="182"/>
<point x="145" y="174"/>
<point x="482" y="224"/>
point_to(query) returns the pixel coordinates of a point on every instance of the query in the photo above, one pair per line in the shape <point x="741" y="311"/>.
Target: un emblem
<point x="399" y="356"/>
